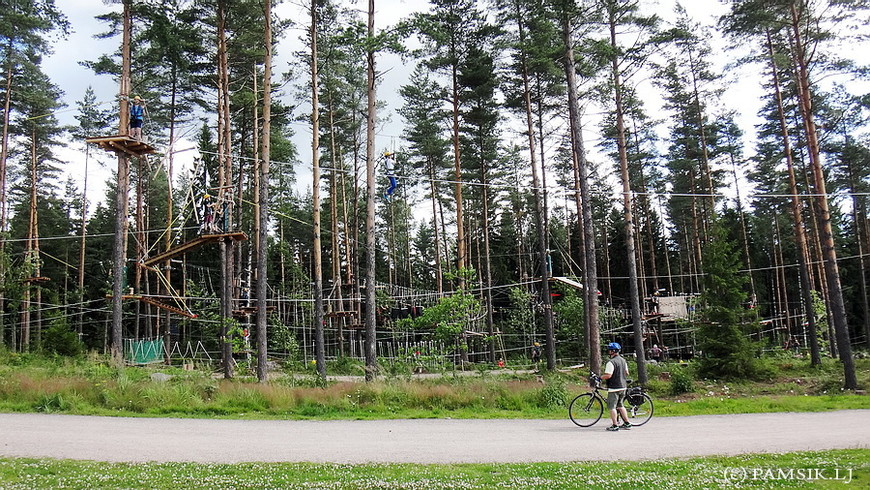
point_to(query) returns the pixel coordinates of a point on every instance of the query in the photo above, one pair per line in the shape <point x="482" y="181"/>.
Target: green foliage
<point x="554" y="393"/>
<point x="31" y="383"/>
<point x="570" y="312"/>
<point x="447" y="319"/>
<point x="281" y="339"/>
<point x="60" y="339"/>
<point x="723" y="334"/>
<point x="682" y="381"/>
<point x="820" y="310"/>
<point x="345" y="365"/>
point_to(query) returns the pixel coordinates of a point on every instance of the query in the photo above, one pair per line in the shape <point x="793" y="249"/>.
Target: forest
<point x="535" y="195"/>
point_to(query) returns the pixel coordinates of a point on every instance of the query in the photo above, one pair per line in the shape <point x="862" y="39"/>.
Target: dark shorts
<point x="135" y="123"/>
<point x="614" y="399"/>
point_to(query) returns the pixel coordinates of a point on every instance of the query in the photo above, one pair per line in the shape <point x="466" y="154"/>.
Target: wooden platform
<point x="249" y="310"/>
<point x="36" y="279"/>
<point x="156" y="302"/>
<point x="334" y="314"/>
<point x="121" y="143"/>
<point x="125" y="296"/>
<point x="191" y="244"/>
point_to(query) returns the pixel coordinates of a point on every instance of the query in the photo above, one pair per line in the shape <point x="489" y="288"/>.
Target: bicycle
<point x="587" y="408"/>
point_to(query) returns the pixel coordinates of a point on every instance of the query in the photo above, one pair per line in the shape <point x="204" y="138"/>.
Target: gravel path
<point x="421" y="441"/>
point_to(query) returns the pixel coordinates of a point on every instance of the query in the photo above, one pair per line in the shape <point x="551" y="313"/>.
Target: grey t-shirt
<point x="618" y="370"/>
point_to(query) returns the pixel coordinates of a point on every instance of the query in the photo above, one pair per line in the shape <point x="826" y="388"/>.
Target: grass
<point x="30" y="383"/>
<point x="815" y="469"/>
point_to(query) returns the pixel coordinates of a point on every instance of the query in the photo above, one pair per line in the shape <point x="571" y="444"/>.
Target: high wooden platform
<point x="249" y="310"/>
<point x="196" y="242"/>
<point x="121" y="143"/>
<point x="568" y="282"/>
<point x="156" y="302"/>
<point x="35" y="279"/>
<point x="337" y="314"/>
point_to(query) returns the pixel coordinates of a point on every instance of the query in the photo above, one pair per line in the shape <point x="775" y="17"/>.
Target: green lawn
<point x="805" y="469"/>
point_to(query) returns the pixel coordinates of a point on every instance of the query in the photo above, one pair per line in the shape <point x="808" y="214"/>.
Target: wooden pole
<point x="119" y="252"/>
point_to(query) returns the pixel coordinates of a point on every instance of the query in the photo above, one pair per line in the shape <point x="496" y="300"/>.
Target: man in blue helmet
<point x="616" y="375"/>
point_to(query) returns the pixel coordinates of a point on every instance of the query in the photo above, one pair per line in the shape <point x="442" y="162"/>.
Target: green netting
<point x="143" y="351"/>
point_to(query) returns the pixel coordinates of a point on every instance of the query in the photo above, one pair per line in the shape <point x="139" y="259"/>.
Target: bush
<point x="61" y="340"/>
<point x="554" y="394"/>
<point x="682" y="381"/>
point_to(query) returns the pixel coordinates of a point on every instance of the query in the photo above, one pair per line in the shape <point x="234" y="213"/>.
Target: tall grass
<point x="31" y="383"/>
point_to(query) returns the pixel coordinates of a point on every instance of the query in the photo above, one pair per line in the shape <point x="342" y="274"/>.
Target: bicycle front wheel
<point x="585" y="410"/>
<point x="641" y="413"/>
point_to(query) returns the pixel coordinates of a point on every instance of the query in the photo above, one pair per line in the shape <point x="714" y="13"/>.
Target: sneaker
<point x="613" y="428"/>
<point x="625" y="426"/>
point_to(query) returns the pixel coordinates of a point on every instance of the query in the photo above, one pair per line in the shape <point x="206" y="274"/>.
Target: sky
<point x="743" y="92"/>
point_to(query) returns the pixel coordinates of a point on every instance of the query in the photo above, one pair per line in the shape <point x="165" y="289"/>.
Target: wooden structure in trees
<point x="246" y="311"/>
<point x="155" y="301"/>
<point x="35" y="279"/>
<point x="191" y="244"/>
<point x="165" y="306"/>
<point x="122" y="143"/>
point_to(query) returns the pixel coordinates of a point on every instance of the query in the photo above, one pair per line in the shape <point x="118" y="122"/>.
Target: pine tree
<point x="805" y="25"/>
<point x="723" y="336"/>
<point x="624" y="60"/>
<point x="425" y="124"/>
<point x="26" y="28"/>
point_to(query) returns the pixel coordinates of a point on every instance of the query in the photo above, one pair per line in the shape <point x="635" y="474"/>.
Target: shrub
<point x="682" y="381"/>
<point x="554" y="394"/>
<point x="61" y="340"/>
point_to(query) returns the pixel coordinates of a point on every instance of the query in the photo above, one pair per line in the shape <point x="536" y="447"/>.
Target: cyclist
<point x="616" y="374"/>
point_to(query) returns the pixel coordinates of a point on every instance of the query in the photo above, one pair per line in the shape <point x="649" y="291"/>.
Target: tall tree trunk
<point x="697" y="254"/>
<point x="338" y="300"/>
<point x="319" y="351"/>
<point x="591" y="270"/>
<point x="832" y="270"/>
<point x="439" y="273"/>
<point x="705" y="154"/>
<point x="633" y="294"/>
<point x="4" y="151"/>
<point x="119" y="251"/>
<point x="371" y="119"/>
<point x="744" y="235"/>
<point x="349" y="279"/>
<point x="262" y="206"/>
<point x="81" y="274"/>
<point x="540" y="212"/>
<point x="225" y="189"/>
<point x="31" y="254"/>
<point x="461" y="245"/>
<point x="487" y="264"/>
<point x="860" y="222"/>
<point x="167" y="239"/>
<point x="141" y="247"/>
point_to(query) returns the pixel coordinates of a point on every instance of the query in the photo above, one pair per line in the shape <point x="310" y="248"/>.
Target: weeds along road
<point x="121" y="439"/>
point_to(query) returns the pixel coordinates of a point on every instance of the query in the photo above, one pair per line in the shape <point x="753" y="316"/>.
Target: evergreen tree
<point x="426" y="126"/>
<point x="726" y="324"/>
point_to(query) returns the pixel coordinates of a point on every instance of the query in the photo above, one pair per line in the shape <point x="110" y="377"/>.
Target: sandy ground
<point x="421" y="441"/>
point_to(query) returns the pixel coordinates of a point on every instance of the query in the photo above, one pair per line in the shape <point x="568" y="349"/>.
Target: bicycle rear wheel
<point x="641" y="413"/>
<point x="585" y="410"/>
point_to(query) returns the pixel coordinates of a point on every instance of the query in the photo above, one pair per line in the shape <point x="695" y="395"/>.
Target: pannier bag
<point x="635" y="395"/>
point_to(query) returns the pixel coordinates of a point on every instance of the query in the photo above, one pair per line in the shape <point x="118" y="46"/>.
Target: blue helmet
<point x="614" y="346"/>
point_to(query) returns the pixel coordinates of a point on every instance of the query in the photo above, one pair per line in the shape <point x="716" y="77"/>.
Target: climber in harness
<point x="390" y="167"/>
<point x="137" y="117"/>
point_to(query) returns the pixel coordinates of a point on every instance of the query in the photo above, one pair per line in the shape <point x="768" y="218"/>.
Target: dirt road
<point x="421" y="441"/>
